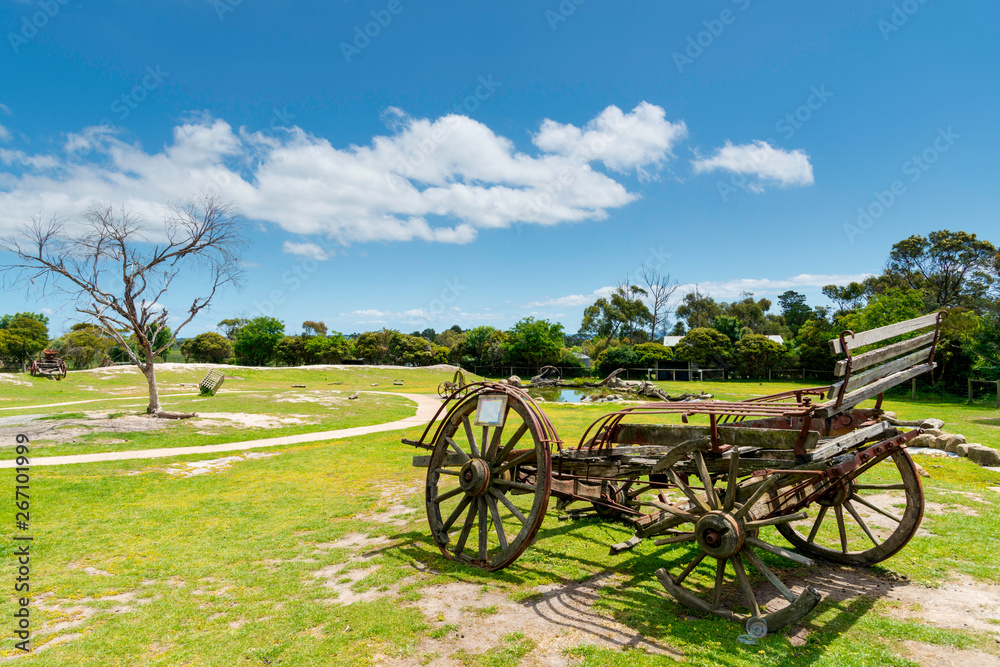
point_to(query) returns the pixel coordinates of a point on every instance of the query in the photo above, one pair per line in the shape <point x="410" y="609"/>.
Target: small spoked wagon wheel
<point x="724" y="548"/>
<point x="488" y="487"/>
<point x="33" y="369"/>
<point x="867" y="521"/>
<point x="62" y="368"/>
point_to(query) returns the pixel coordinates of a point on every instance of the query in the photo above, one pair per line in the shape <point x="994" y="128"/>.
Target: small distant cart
<point x="707" y="487"/>
<point x="48" y="365"/>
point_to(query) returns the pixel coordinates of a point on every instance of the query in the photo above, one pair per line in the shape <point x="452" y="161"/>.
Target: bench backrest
<point x="869" y="374"/>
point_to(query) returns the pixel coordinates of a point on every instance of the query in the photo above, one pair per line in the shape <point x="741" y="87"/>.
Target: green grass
<point x="222" y="567"/>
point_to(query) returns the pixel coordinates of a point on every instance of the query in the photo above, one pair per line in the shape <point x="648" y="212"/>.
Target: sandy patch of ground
<point x="324" y="398"/>
<point x="934" y="655"/>
<point x="192" y="468"/>
<point x="340" y="578"/>
<point x="66" y="430"/>
<point x="245" y="420"/>
<point x="963" y="604"/>
<point x="74" y="613"/>
<point x="10" y="378"/>
<point x="475" y="619"/>
<point x="391" y="508"/>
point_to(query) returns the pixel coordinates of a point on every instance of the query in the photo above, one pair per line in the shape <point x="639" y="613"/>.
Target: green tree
<point x="311" y="328"/>
<point x="22" y="338"/>
<point x="613" y="358"/>
<point x="38" y="317"/>
<point x="208" y="347"/>
<point x="948" y="268"/>
<point x="706" y="347"/>
<point x="794" y="309"/>
<point x="534" y="342"/>
<point x="257" y="339"/>
<point x="622" y="315"/>
<point x="754" y="354"/>
<point x="730" y="326"/>
<point x="291" y="350"/>
<point x="231" y="328"/>
<point x="374" y="346"/>
<point x="985" y="347"/>
<point x="331" y="349"/>
<point x="849" y="297"/>
<point x="652" y="353"/>
<point x="812" y="343"/>
<point x="84" y="344"/>
<point x="697" y="310"/>
<point x="895" y="305"/>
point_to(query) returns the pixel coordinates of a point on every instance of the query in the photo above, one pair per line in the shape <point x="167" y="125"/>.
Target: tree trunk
<point x="154" y="395"/>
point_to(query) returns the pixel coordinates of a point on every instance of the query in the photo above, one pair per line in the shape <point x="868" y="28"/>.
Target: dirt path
<point x="426" y="407"/>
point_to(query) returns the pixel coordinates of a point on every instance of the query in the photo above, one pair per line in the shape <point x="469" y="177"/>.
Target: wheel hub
<point x="836" y="496"/>
<point x="719" y="534"/>
<point x="474" y="477"/>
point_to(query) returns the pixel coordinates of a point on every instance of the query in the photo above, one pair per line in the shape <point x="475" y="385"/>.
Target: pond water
<point x="573" y="395"/>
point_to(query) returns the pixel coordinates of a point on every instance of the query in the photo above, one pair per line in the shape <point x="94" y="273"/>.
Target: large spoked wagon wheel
<point x="865" y="522"/>
<point x="721" y="536"/>
<point x="488" y="487"/>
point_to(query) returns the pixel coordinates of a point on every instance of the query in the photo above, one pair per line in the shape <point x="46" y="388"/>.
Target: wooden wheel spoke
<point x="745" y="587"/>
<point x="690" y="568"/>
<point x="456" y="512"/>
<point x="675" y="539"/>
<point x="676" y="511"/>
<point x="513" y="462"/>
<point x="638" y="491"/>
<point x="686" y="490"/>
<point x="448" y="494"/>
<point x="839" y="511"/>
<point x="471" y="436"/>
<point x="514" y="439"/>
<point x="861" y="522"/>
<point x="497" y="523"/>
<point x="776" y="520"/>
<point x="509" y="505"/>
<point x="706" y="480"/>
<point x="495" y="440"/>
<point x="731" y="481"/>
<point x="446" y="471"/>
<point x="819" y="519"/>
<point x="778" y="551"/>
<point x="483" y="528"/>
<point x="875" y="508"/>
<point x="759" y="565"/>
<point x="720" y="574"/>
<point x="458" y="450"/>
<point x="514" y="485"/>
<point x="764" y="487"/>
<point x="466" y="529"/>
<point x="881" y="487"/>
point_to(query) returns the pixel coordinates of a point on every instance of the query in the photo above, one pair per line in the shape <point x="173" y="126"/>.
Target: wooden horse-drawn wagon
<point x="831" y="477"/>
<point x="48" y="365"/>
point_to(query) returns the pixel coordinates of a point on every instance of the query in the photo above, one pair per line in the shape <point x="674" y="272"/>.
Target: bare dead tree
<point x="661" y="288"/>
<point x="119" y="271"/>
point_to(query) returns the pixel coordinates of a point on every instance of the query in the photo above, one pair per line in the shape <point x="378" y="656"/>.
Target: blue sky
<point x="481" y="162"/>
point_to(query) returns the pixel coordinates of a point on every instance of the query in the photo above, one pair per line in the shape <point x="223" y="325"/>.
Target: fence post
<point x="913" y="389"/>
<point x="970" y="390"/>
<point x="998" y="393"/>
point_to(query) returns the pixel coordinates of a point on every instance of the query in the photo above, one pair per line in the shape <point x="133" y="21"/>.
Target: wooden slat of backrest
<point x="880" y="334"/>
<point x="887" y="369"/>
<point x="668" y="434"/>
<point x="883" y="353"/>
<point x="830" y="408"/>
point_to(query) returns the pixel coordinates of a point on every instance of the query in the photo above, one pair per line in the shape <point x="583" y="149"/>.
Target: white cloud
<point x="310" y="250"/>
<point x="761" y="160"/>
<point x="573" y="299"/>
<point x="5" y="109"/>
<point x="730" y="289"/>
<point x="4" y="133"/>
<point x="436" y="180"/>
<point x="621" y="141"/>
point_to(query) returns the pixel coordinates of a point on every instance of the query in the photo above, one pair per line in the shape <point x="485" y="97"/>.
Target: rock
<point x="890" y="414"/>
<point x="961" y="449"/>
<point x="983" y="455"/>
<point x="934" y="431"/>
<point x="951" y="440"/>
<point x="921" y="471"/>
<point x="932" y="423"/>
<point x="924" y="441"/>
<point x="514" y="381"/>
<point x="353" y="396"/>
